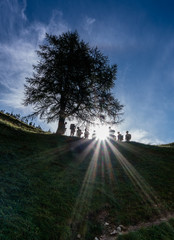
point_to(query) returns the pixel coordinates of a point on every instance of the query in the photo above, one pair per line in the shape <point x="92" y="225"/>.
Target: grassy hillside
<point x="55" y="187"/>
<point x="17" y="124"/>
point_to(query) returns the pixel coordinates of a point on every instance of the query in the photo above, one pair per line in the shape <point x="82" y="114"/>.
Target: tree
<point x="72" y="81"/>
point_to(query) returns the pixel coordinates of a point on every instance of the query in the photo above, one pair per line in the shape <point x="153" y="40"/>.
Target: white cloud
<point x="16" y="63"/>
<point x="12" y="18"/>
<point x="57" y="24"/>
<point x="23" y="10"/>
<point x="18" y="55"/>
<point x="90" y="21"/>
<point x="142" y="136"/>
<point x="88" y="24"/>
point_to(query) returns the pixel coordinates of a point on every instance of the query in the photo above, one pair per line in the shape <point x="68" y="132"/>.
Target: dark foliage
<point x="72" y="80"/>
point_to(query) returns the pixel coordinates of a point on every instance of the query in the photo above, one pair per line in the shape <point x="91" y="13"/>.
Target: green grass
<point x="50" y="190"/>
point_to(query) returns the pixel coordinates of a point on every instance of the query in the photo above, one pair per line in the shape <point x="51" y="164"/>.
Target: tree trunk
<point x="61" y="126"/>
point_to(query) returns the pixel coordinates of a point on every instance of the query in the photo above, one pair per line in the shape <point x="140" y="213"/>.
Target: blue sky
<point x="137" y="35"/>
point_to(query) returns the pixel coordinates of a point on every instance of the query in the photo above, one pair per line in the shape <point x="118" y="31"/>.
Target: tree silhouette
<point x="72" y="81"/>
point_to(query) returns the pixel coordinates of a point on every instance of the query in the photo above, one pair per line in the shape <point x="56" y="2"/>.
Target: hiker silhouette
<point x="79" y="132"/>
<point x="127" y="136"/>
<point x="94" y="134"/>
<point x="86" y="133"/>
<point x="72" y="129"/>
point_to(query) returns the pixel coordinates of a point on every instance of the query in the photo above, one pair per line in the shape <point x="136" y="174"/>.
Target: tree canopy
<point x="72" y="81"/>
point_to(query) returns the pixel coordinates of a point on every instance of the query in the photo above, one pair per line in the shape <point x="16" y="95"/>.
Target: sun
<point x="102" y="132"/>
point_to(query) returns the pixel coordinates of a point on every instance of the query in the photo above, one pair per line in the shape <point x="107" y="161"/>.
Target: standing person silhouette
<point x="79" y="132"/>
<point x="94" y="134"/>
<point x="120" y="137"/>
<point x="86" y="134"/>
<point x="127" y="136"/>
<point x="72" y="129"/>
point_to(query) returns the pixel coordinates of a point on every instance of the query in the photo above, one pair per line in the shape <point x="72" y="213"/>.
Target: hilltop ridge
<point x="11" y="120"/>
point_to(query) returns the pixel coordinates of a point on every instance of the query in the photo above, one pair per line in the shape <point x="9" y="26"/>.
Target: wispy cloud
<point x="140" y="135"/>
<point x="18" y="54"/>
<point x="16" y="63"/>
<point x="23" y="9"/>
<point x="88" y="23"/>
<point x="12" y="18"/>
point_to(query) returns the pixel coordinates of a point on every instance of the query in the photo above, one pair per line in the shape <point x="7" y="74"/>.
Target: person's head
<point x="127" y="131"/>
<point x="118" y="132"/>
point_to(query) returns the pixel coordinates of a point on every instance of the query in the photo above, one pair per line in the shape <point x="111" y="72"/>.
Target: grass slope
<point x="165" y="231"/>
<point x="17" y="124"/>
<point x="55" y="187"/>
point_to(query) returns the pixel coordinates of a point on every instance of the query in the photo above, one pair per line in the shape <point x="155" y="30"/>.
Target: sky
<point x="137" y="35"/>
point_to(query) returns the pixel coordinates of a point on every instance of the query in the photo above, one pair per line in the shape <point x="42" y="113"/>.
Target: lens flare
<point x="102" y="132"/>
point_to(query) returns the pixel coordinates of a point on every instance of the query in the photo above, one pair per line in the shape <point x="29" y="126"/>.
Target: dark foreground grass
<point x="55" y="187"/>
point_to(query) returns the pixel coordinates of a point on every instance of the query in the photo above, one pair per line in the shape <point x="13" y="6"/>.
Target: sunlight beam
<point x="86" y="192"/>
<point x="138" y="181"/>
